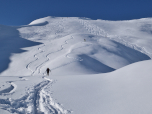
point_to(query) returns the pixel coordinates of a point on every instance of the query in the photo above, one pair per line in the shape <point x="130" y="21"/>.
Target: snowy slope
<point x="90" y="61"/>
<point x="125" y="91"/>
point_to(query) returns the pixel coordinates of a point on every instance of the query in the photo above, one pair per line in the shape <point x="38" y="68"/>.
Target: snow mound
<point x="124" y="91"/>
<point x="39" y="21"/>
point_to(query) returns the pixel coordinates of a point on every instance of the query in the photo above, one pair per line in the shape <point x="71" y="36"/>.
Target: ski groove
<point x="60" y="28"/>
<point x="35" y="56"/>
<point x="47" y="56"/>
<point x="36" y="101"/>
<point x="9" y="90"/>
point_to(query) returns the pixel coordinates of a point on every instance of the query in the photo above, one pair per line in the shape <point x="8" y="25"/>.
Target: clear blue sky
<point x="22" y="12"/>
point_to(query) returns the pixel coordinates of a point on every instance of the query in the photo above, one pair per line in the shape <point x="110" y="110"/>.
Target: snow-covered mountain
<point x="97" y="66"/>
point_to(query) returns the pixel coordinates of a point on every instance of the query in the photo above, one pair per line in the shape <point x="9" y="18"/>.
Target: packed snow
<point x="97" y="67"/>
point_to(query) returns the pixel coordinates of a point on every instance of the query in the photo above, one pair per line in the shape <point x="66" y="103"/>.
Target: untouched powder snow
<point x="97" y="67"/>
<point x="125" y="91"/>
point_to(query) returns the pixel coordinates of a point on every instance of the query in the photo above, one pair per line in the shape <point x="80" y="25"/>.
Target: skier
<point x="84" y="40"/>
<point x="48" y="70"/>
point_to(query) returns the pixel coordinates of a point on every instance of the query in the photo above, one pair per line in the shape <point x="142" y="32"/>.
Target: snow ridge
<point x="93" y="29"/>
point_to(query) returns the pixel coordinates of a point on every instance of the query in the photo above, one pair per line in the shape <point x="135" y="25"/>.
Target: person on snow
<point x="48" y="70"/>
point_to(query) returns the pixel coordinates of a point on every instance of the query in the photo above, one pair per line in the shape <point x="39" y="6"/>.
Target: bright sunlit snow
<point x="97" y="67"/>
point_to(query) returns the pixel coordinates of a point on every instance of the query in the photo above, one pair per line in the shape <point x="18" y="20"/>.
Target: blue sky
<point x="22" y="12"/>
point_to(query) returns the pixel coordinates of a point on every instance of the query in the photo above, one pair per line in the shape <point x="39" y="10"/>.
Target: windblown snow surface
<point x="97" y="67"/>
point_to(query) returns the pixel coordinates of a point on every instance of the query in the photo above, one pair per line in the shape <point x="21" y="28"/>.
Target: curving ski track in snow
<point x="9" y="90"/>
<point x="70" y="51"/>
<point x="37" y="100"/>
<point x="67" y="55"/>
<point x="38" y="68"/>
<point x="35" y="56"/>
<point x="39" y="48"/>
<point x="60" y="29"/>
<point x="46" y="103"/>
<point x="43" y="102"/>
<point x="47" y="56"/>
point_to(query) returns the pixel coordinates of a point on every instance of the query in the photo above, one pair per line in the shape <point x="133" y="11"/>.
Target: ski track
<point x="35" y="56"/>
<point x="39" y="48"/>
<point x="47" y="56"/>
<point x="12" y="88"/>
<point x="60" y="29"/>
<point x="46" y="103"/>
<point x="38" y="68"/>
<point x="67" y="55"/>
<point x="23" y="79"/>
<point x="42" y="100"/>
<point x="38" y="58"/>
<point x="9" y="90"/>
<point x="93" y="29"/>
<point x="70" y="51"/>
<point x="37" y="100"/>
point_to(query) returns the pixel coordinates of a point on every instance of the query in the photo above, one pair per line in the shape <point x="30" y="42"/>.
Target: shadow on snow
<point x="94" y="65"/>
<point x="11" y="42"/>
<point x="128" y="54"/>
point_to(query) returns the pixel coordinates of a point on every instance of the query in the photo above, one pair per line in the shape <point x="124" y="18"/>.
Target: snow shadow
<point x="7" y="90"/>
<point x="146" y="28"/>
<point x="38" y="24"/>
<point x="129" y="54"/>
<point x="94" y="65"/>
<point x="116" y="56"/>
<point x="11" y="42"/>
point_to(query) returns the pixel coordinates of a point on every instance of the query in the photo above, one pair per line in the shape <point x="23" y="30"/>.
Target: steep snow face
<point x="11" y="43"/>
